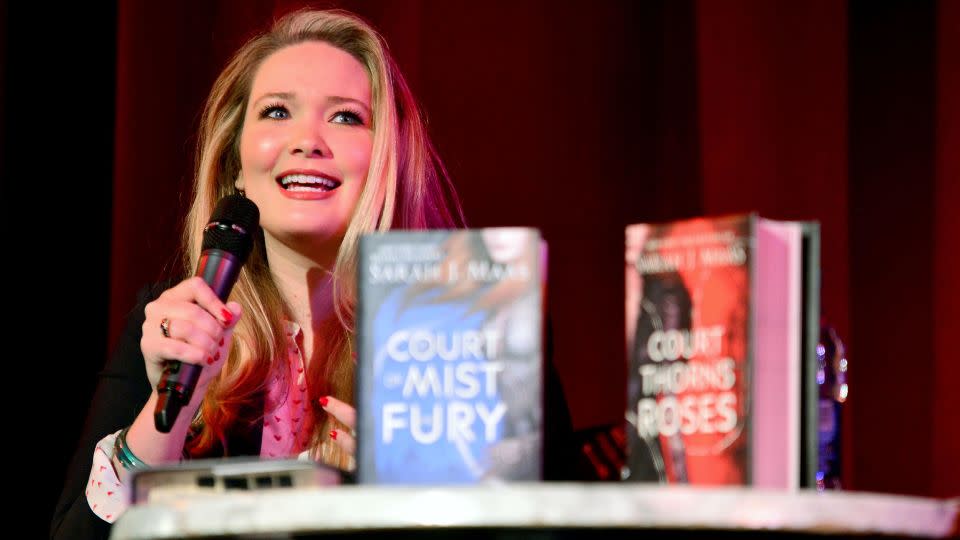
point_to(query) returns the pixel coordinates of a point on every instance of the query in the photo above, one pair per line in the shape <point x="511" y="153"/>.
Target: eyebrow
<point x="340" y="99"/>
<point x="336" y="100"/>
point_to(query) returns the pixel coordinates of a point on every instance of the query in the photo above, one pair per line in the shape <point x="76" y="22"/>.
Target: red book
<point x="721" y="334"/>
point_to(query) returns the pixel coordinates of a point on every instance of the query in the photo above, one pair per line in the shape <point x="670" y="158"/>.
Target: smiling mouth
<point x="308" y="183"/>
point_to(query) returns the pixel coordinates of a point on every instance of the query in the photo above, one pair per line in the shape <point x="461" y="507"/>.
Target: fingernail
<point x="333" y="434"/>
<point x="227" y="316"/>
<point x="323" y="403"/>
<point x="217" y="356"/>
<point x="221" y="342"/>
<point x="209" y="360"/>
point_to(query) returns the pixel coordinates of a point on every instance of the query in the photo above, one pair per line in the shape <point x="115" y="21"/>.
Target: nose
<point x="309" y="141"/>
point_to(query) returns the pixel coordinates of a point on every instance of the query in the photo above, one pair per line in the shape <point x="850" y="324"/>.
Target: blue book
<point x="449" y="352"/>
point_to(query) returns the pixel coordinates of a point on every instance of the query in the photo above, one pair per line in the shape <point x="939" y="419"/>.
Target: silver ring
<point x="165" y="327"/>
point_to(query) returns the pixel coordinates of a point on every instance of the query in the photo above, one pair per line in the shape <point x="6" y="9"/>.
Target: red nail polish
<point x="217" y="356"/>
<point x="227" y="316"/>
<point x="209" y="360"/>
<point x="221" y="342"/>
<point x="333" y="435"/>
<point x="323" y="402"/>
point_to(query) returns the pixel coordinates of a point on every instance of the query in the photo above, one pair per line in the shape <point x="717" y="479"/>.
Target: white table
<point x="295" y="512"/>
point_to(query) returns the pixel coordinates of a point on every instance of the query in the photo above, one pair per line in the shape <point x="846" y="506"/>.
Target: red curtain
<point x="580" y="117"/>
<point x="945" y="408"/>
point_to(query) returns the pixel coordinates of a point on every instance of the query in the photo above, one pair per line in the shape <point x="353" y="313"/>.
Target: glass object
<point x="833" y="392"/>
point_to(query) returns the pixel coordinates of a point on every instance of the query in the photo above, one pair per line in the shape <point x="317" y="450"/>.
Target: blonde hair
<point x="406" y="187"/>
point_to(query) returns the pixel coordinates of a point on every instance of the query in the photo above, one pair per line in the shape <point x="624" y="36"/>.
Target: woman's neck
<point x="306" y="284"/>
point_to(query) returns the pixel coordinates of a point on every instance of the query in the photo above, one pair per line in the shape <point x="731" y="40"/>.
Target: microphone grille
<point x="232" y="226"/>
<point x="237" y="210"/>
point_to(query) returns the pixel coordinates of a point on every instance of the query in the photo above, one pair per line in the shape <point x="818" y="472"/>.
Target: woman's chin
<point x="308" y="241"/>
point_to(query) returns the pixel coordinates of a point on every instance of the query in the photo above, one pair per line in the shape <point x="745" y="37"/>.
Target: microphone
<point x="227" y="242"/>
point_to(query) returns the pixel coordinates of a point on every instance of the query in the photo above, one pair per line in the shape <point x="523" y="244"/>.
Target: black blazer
<point x="123" y="389"/>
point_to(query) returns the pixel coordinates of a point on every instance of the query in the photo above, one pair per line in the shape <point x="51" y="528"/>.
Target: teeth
<point x="304" y="179"/>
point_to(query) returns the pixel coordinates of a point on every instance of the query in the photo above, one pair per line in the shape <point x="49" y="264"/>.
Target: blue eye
<point x="275" y="112"/>
<point x="347" y="117"/>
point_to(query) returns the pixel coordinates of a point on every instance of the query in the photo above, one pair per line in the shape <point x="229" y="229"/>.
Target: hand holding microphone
<point x="187" y="330"/>
<point x="193" y="334"/>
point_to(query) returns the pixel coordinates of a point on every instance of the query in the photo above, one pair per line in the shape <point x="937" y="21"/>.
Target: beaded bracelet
<point x="127" y="458"/>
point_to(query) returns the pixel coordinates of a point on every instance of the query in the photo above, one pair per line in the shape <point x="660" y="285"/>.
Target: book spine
<point x="809" y="452"/>
<point x="366" y="466"/>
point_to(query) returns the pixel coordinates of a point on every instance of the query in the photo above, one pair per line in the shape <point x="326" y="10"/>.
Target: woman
<point x="314" y="123"/>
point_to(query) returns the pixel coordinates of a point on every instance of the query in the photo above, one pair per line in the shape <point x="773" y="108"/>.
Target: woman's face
<point x="306" y="143"/>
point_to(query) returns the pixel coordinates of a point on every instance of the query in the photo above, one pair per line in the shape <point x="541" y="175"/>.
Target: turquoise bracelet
<point x="127" y="458"/>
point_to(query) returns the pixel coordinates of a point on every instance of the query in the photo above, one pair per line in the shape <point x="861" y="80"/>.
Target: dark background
<point x="576" y="117"/>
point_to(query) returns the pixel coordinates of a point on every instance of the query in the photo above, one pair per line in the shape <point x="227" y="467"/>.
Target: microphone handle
<point x="220" y="270"/>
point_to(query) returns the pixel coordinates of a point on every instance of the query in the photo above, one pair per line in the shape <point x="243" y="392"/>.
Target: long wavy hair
<point x="407" y="187"/>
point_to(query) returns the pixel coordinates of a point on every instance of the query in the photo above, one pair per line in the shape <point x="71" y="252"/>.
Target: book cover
<point x="717" y="341"/>
<point x="449" y="338"/>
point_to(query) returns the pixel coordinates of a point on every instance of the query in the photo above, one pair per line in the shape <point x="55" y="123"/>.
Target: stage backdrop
<point x="579" y="118"/>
